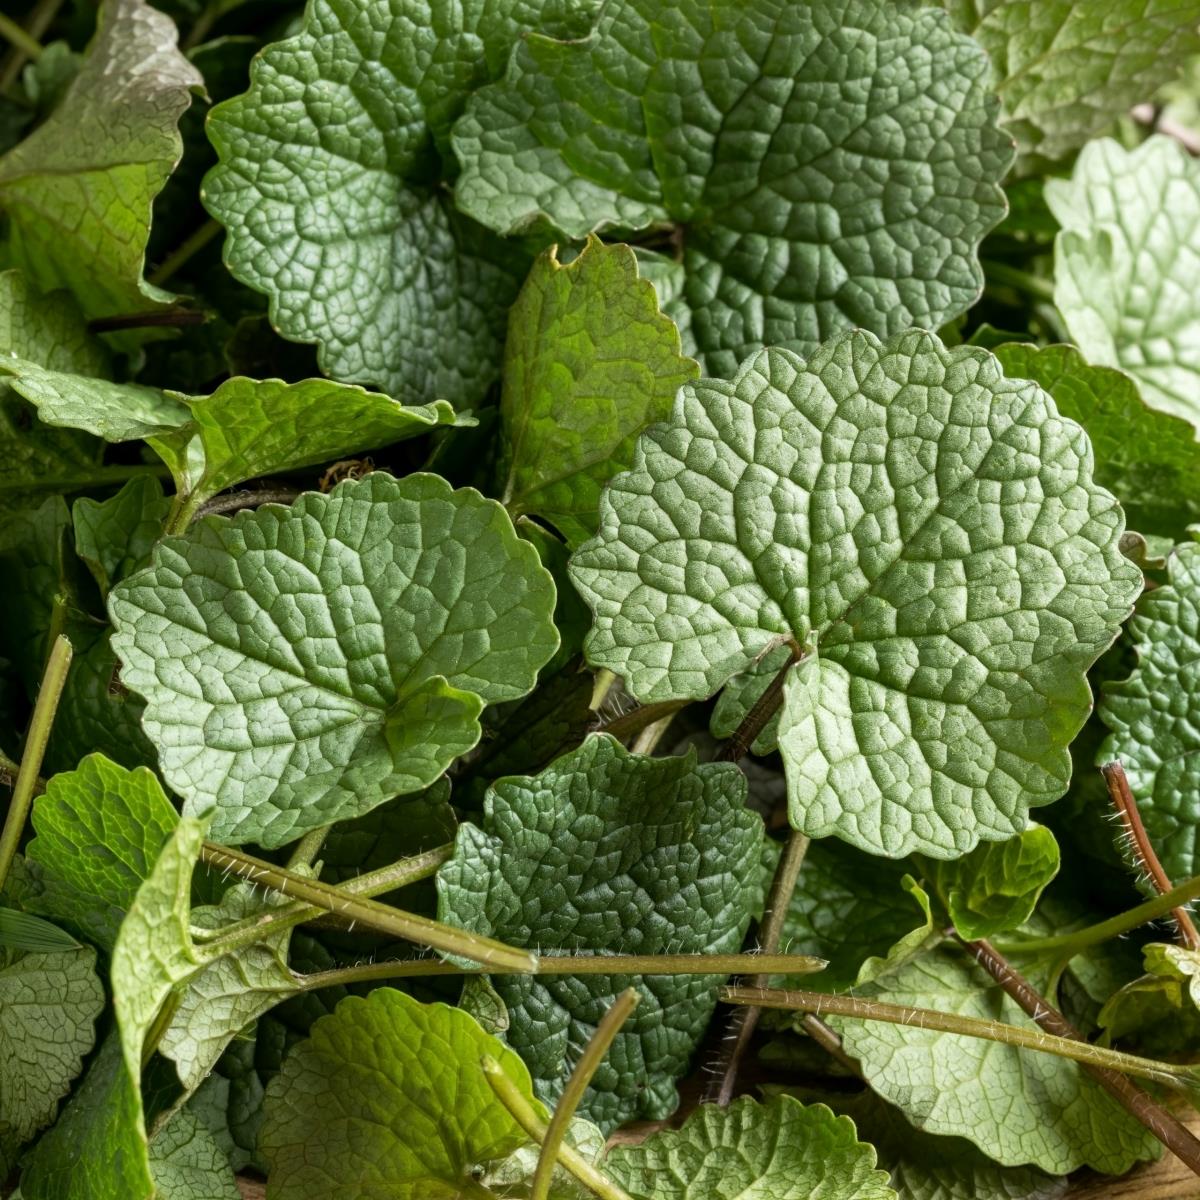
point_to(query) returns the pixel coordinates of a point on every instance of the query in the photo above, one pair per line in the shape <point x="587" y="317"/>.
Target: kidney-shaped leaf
<point x="302" y="665"/>
<point x="607" y="852"/>
<point x="833" y="164"/>
<point x="926" y="532"/>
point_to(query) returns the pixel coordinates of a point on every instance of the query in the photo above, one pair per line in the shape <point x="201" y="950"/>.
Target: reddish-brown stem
<point x="1122" y="797"/>
<point x="166" y="318"/>
<point x="1164" y="1125"/>
<point x="762" y="710"/>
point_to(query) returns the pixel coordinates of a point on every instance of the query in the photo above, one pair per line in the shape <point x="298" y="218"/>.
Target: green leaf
<point x="589" y="363"/>
<point x="335" y="209"/>
<point x="371" y="625"/>
<point x="1019" y="1107"/>
<point x="115" y="536"/>
<point x="607" y="852"/>
<point x="248" y="427"/>
<point x="926" y="531"/>
<point x="49" y="330"/>
<point x="1066" y="70"/>
<point x="79" y="189"/>
<point x="229" y="993"/>
<point x="153" y="952"/>
<point x="1159" y="1011"/>
<point x="187" y="1163"/>
<point x="21" y="931"/>
<point x="846" y="909"/>
<point x="741" y="126"/>
<point x="997" y="885"/>
<point x="1153" y="715"/>
<point x="780" y="1150"/>
<point x="925" y="1167"/>
<point x="100" y="830"/>
<point x="48" y="1004"/>
<point x="97" y="1149"/>
<point x="1148" y="459"/>
<point x="386" y="1095"/>
<point x="1123" y="278"/>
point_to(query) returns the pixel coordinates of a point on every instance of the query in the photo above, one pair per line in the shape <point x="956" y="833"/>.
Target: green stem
<point x="386" y="879"/>
<point x="36" y="24"/>
<point x="745" y="1020"/>
<point x="523" y="1113"/>
<point x="581" y="1076"/>
<point x="191" y="245"/>
<point x="578" y="964"/>
<point x="308" y="847"/>
<point x="20" y="39"/>
<point x="1023" y="281"/>
<point x="860" y="1009"/>
<point x="370" y="913"/>
<point x="54" y="679"/>
<point x="1081" y="939"/>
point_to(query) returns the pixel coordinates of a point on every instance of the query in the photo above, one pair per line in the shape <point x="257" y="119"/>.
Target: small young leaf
<point x="780" y="1150"/>
<point x="926" y="531"/>
<point x="1148" y="459"/>
<point x="589" y="363"/>
<point x="79" y="189"/>
<point x="997" y="885"/>
<point x="388" y="1093"/>
<point x="1160" y="1011"/>
<point x="610" y="852"/>
<point x="1124" y="268"/>
<point x="22" y="931"/>
<point x="100" y="830"/>
<point x="371" y="626"/>
<point x="115" y="536"/>
<point x="1065" y="70"/>
<point x="1153" y="715"/>
<point x="48" y="1004"/>
<point x="786" y="238"/>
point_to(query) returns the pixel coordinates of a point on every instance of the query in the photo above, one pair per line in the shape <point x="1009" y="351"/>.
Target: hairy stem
<point x="370" y="913"/>
<point x="745" y="1019"/>
<point x="236" y="501"/>
<point x="308" y="847"/>
<point x="1073" y="943"/>
<point x="1167" y="1128"/>
<point x="761" y="712"/>
<point x="632" y="723"/>
<point x="578" y="964"/>
<point x="861" y="1009"/>
<point x="1121" y="795"/>
<point x="386" y="879"/>
<point x="54" y="678"/>
<point x="581" y="1076"/>
<point x="524" y="1114"/>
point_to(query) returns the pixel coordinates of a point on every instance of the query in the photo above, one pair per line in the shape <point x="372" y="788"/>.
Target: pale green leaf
<point x="79" y="189"/>
<point x="1125" y="265"/>
<point x="997" y="885"/>
<point x="187" y="1163"/>
<point x="1159" y="1012"/>
<point x="1153" y="715"/>
<point x="925" y="531"/>
<point x="608" y="852"/>
<point x="370" y="627"/>
<point x="387" y="1097"/>
<point x="49" y="329"/>
<point x="48" y="1004"/>
<point x="589" y="363"/>
<point x="334" y="209"/>
<point x="780" y="1150"/>
<point x="752" y="133"/>
<point x="100" y="830"/>
<point x="1018" y="1106"/>
<point x="1149" y="460"/>
<point x="1066" y="70"/>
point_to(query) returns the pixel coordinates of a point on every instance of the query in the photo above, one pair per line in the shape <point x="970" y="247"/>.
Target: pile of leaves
<point x="569" y="568"/>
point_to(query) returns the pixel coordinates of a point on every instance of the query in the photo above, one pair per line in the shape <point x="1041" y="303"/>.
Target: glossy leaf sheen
<point x="303" y="665"/>
<point x="832" y="164"/>
<point x="610" y="852"/>
<point x="929" y="533"/>
<point x="386" y="1098"/>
